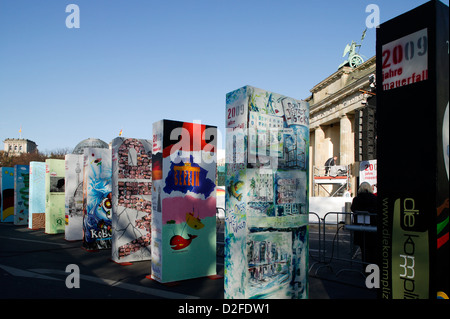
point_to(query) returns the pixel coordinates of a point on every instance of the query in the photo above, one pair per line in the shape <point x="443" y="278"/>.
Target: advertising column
<point x="266" y="220"/>
<point x="183" y="200"/>
<point x="412" y="110"/>
<point x="368" y="173"/>
<point x="131" y="199"/>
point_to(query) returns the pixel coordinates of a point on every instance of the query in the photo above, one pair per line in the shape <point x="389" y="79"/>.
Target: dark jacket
<point x="365" y="202"/>
<point x="330" y="162"/>
<point x="366" y="240"/>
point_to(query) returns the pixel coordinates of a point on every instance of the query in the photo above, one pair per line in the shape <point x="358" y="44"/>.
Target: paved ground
<point x="336" y="270"/>
<point x="33" y="265"/>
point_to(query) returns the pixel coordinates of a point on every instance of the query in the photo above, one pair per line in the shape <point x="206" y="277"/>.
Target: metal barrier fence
<point x="331" y="240"/>
<point x="342" y="238"/>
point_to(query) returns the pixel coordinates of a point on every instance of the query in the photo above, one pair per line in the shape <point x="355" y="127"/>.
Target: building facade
<point x="339" y="124"/>
<point x="17" y="146"/>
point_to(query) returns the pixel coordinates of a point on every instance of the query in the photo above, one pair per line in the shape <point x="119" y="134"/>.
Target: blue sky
<point x="132" y="63"/>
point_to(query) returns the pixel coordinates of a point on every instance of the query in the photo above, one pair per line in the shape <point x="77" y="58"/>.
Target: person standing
<point x="330" y="162"/>
<point x="366" y="201"/>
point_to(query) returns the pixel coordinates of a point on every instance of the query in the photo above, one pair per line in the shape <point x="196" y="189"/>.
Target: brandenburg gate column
<point x="320" y="157"/>
<point x="319" y="139"/>
<point x="347" y="145"/>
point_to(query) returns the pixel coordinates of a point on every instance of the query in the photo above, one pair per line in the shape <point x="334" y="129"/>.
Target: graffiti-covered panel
<point x="36" y="212"/>
<point x="21" y="194"/>
<point x="183" y="201"/>
<point x="266" y="220"/>
<point x="97" y="203"/>
<point x="74" y="197"/>
<point x="131" y="199"/>
<point x="7" y="194"/>
<point x="54" y="196"/>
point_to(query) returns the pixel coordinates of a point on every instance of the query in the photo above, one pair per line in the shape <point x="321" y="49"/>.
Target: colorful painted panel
<point x="266" y="200"/>
<point x="36" y="211"/>
<point x="183" y="201"/>
<point x="21" y="194"/>
<point x="131" y="198"/>
<point x="74" y="197"/>
<point x="7" y="194"/>
<point x="54" y="196"/>
<point x="97" y="202"/>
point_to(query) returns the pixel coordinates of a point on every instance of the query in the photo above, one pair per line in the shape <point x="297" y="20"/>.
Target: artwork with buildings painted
<point x="266" y="200"/>
<point x="54" y="196"/>
<point x="7" y="194"/>
<point x="97" y="202"/>
<point x="21" y="194"/>
<point x="131" y="199"/>
<point x="74" y="197"/>
<point x="183" y="201"/>
<point x="36" y="210"/>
